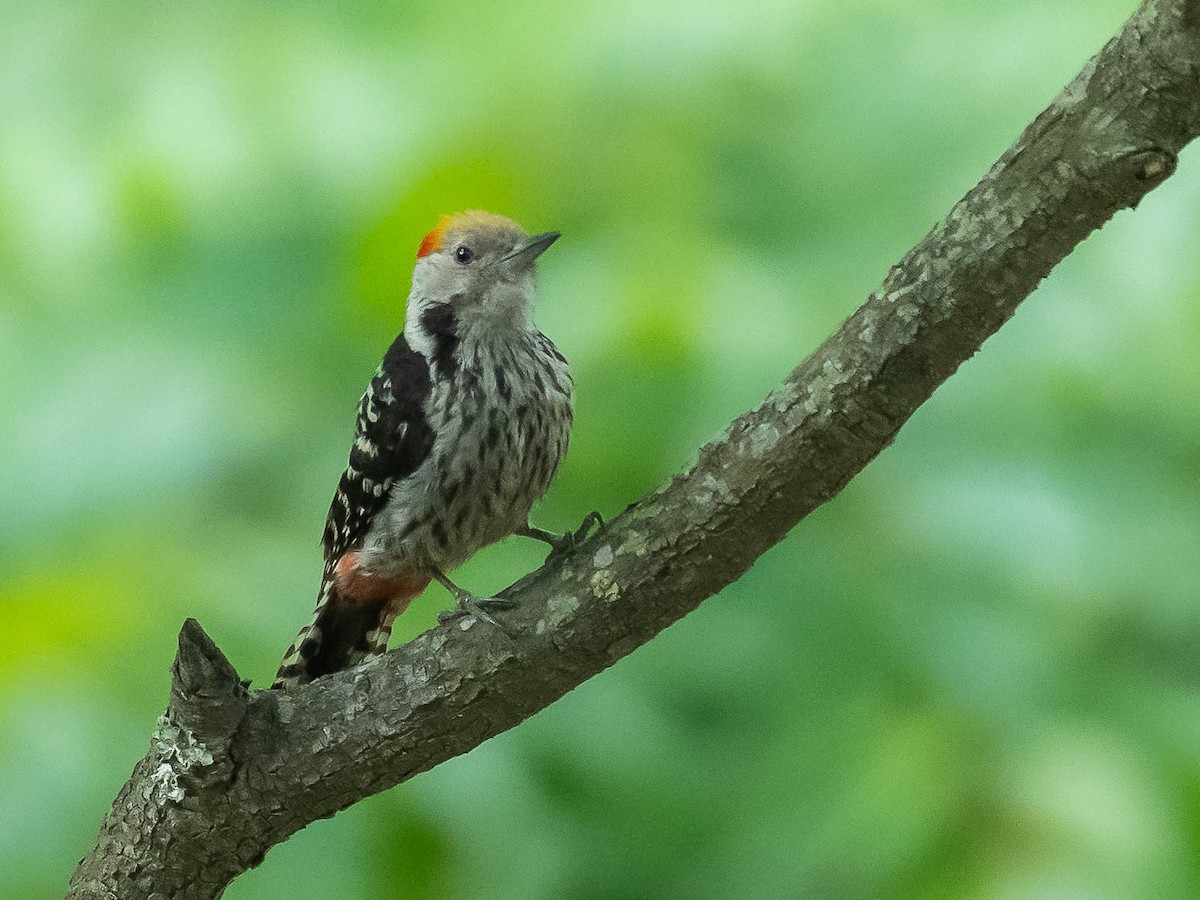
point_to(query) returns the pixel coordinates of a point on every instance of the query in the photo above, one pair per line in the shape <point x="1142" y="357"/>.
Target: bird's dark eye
<point x="464" y="254"/>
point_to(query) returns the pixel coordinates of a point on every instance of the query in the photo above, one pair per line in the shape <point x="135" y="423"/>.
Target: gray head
<point x="481" y="265"/>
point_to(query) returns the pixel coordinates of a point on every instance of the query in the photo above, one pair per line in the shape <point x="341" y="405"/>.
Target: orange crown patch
<point x="432" y="242"/>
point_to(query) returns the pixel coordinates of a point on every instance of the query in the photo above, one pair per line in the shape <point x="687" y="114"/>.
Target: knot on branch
<point x="1132" y="174"/>
<point x="208" y="698"/>
<point x="1154" y="166"/>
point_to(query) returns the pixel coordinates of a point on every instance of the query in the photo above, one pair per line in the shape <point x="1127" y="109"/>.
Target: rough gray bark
<point x="231" y="773"/>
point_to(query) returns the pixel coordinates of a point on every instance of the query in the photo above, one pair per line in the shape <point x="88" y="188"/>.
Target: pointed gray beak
<point x="534" y="247"/>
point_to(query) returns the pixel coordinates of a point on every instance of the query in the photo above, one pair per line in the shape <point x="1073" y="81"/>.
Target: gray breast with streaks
<point x="502" y="422"/>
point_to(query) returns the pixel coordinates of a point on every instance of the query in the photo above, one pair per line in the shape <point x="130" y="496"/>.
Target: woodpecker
<point x="459" y="432"/>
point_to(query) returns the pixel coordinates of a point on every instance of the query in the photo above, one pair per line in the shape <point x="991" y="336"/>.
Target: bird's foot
<point x="467" y="604"/>
<point x="565" y="543"/>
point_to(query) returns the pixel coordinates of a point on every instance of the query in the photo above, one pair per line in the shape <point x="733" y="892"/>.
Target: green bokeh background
<point x="974" y="674"/>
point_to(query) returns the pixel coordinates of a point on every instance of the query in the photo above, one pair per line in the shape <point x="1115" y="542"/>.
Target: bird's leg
<point x="560" y="544"/>
<point x="469" y="604"/>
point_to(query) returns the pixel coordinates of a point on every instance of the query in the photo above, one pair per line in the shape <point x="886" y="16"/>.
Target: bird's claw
<point x="590" y="521"/>
<point x="478" y="607"/>
<point x="572" y="539"/>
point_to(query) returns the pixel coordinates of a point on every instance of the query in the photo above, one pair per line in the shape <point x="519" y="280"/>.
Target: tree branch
<point x="230" y="774"/>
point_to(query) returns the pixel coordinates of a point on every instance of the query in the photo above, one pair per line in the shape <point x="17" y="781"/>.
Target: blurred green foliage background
<point x="974" y="674"/>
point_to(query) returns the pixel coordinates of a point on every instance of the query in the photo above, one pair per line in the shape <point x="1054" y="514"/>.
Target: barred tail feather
<point x="344" y="630"/>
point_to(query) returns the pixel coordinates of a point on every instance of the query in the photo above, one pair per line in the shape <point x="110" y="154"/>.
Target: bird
<point x="460" y="431"/>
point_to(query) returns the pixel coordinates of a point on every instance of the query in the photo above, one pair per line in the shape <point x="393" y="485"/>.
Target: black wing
<point x="392" y="438"/>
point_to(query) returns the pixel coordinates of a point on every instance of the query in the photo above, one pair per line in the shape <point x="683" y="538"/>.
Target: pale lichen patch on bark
<point x="763" y="438"/>
<point x="602" y="583"/>
<point x="177" y="751"/>
<point x="560" y="608"/>
<point x="635" y="542"/>
<point x="818" y="394"/>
